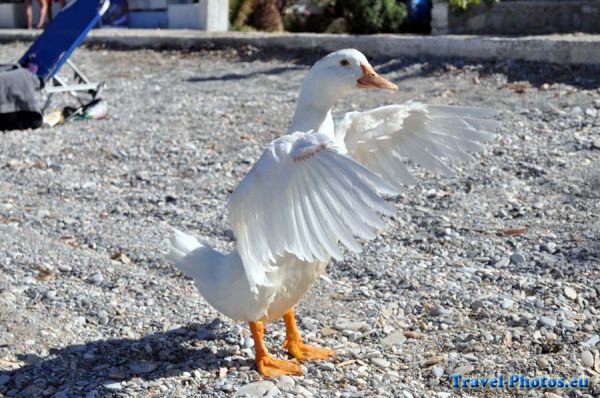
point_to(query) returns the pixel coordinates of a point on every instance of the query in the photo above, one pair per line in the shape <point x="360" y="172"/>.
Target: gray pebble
<point x="592" y="341"/>
<point x="285" y="382"/>
<point x="113" y="385"/>
<point x="344" y="324"/>
<point x="587" y="359"/>
<point x="507" y="303"/>
<point x="96" y="278"/>
<point x="380" y="362"/>
<point x="517" y="258"/>
<point x="396" y="338"/>
<point x="568" y="324"/>
<point x="463" y="370"/>
<point x="64" y="267"/>
<point x="256" y="389"/>
<point x="547" y="322"/>
<point x="570" y="293"/>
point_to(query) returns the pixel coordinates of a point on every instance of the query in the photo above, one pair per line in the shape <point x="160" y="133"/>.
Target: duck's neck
<point x="313" y="111"/>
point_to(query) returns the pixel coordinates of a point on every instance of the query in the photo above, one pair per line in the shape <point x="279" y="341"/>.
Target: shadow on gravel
<point x="240" y="76"/>
<point x="535" y="73"/>
<point x="103" y="364"/>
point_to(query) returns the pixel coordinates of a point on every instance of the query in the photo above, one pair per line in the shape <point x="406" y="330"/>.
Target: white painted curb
<point x="562" y="49"/>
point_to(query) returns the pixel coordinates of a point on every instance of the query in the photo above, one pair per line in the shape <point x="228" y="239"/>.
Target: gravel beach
<point x="495" y="270"/>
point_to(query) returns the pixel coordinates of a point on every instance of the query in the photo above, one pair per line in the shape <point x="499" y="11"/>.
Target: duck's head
<point x="332" y="78"/>
<point x="344" y="71"/>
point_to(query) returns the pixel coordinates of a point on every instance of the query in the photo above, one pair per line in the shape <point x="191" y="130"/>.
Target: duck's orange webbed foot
<point x="266" y="364"/>
<point x="304" y="352"/>
<point x="293" y="342"/>
<point x="272" y="367"/>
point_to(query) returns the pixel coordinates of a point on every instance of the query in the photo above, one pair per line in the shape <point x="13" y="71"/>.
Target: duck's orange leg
<point x="266" y="364"/>
<point x="295" y="346"/>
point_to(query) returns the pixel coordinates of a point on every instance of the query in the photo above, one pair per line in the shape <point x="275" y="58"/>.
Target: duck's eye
<point x="344" y="62"/>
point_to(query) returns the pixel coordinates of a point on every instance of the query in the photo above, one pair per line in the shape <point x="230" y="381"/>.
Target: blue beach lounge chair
<point x="52" y="49"/>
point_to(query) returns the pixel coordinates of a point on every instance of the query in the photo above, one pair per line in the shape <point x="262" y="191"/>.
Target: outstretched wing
<point x="382" y="139"/>
<point x="303" y="197"/>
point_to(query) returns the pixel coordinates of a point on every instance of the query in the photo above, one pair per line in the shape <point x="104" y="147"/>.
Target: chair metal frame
<point x="52" y="82"/>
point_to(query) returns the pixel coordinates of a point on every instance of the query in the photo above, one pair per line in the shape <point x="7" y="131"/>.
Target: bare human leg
<point x="29" y="13"/>
<point x="43" y="12"/>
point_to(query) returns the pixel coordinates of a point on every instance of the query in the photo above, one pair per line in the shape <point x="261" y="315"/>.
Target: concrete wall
<point x="520" y="17"/>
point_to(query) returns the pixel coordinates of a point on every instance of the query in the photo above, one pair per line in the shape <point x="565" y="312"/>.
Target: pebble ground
<point x="495" y="270"/>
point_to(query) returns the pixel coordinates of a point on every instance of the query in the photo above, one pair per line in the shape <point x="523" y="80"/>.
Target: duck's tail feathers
<point x="180" y="245"/>
<point x="187" y="252"/>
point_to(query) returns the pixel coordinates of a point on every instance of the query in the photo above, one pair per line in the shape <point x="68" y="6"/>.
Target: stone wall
<point x="519" y="18"/>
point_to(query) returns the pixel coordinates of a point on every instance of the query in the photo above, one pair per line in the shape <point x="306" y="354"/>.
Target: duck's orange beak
<point x="371" y="79"/>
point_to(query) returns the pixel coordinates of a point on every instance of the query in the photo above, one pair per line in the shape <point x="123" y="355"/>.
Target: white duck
<point x="315" y="188"/>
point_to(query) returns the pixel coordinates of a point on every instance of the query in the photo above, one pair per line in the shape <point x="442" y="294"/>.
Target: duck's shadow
<point x="78" y="368"/>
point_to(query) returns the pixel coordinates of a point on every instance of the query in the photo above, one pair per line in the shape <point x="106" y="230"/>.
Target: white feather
<point x="302" y="197"/>
<point x="383" y="138"/>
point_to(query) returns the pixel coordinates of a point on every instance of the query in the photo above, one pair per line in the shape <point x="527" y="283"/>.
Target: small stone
<point x="470" y="356"/>
<point x="396" y="338"/>
<point x="592" y="341"/>
<point x="256" y="389"/>
<point x="568" y="324"/>
<point x="205" y="334"/>
<point x="547" y="322"/>
<point x="543" y="363"/>
<point x="570" y="293"/>
<point x="273" y="392"/>
<point x="327" y="332"/>
<point x="477" y="305"/>
<point x="248" y="342"/>
<point x="591" y="112"/>
<point x="517" y="258"/>
<point x="328" y="366"/>
<point x="170" y="199"/>
<point x="407" y="394"/>
<point x="96" y="278"/>
<point x="436" y="310"/>
<point x="463" y="370"/>
<point x="142" y="367"/>
<point x="50" y="294"/>
<point x="112" y="385"/>
<point x="550" y="247"/>
<point x="507" y="303"/>
<point x="215" y="323"/>
<point x="596" y="143"/>
<point x="4" y="379"/>
<point x="64" y="268"/>
<point x="284" y="382"/>
<point x="576" y="111"/>
<point x="344" y="324"/>
<point x="551" y="337"/>
<point x="303" y="392"/>
<point x="503" y="262"/>
<point x="588" y="327"/>
<point x="437" y="371"/>
<point x="587" y="359"/>
<point x="380" y="362"/>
